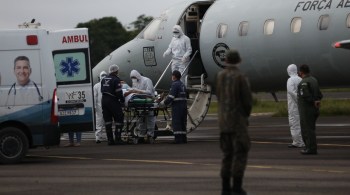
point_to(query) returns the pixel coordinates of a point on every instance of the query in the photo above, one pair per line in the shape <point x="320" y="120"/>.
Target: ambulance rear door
<point x="70" y="50"/>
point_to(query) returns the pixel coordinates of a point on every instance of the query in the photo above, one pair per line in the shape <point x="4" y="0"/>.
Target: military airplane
<point x="269" y="34"/>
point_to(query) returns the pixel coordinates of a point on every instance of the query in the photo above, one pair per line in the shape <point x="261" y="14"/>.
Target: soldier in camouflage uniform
<point x="234" y="108"/>
<point x="309" y="97"/>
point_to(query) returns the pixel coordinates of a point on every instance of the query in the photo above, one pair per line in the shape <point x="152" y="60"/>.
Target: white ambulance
<point x="45" y="81"/>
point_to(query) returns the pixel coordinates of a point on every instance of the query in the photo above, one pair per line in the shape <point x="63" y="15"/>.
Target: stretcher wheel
<point x="124" y="137"/>
<point x="151" y="140"/>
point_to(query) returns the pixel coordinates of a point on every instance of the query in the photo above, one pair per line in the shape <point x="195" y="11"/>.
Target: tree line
<point x="107" y="34"/>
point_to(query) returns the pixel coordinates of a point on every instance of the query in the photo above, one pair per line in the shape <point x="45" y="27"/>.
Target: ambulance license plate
<point x="70" y="112"/>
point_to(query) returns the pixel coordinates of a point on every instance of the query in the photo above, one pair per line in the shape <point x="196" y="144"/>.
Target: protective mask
<point x="134" y="82"/>
<point x="176" y="35"/>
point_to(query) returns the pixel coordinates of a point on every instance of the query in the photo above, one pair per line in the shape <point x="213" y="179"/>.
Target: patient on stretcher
<point x="132" y="96"/>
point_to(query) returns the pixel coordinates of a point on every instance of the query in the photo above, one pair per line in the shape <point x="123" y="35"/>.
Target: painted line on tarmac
<point x="297" y="169"/>
<point x="152" y="161"/>
<point x="123" y="160"/>
<point x="190" y="163"/>
<point x="332" y="145"/>
<point x="63" y="157"/>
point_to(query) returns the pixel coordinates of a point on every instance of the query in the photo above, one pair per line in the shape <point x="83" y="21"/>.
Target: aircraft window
<point x="243" y="29"/>
<point x="222" y="30"/>
<point x="150" y="32"/>
<point x="323" y="22"/>
<point x="348" y="21"/>
<point x="269" y="27"/>
<point x="295" y="26"/>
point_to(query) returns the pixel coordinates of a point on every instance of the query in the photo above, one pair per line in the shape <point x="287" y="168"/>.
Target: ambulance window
<point x="348" y="21"/>
<point x="72" y="66"/>
<point x="295" y="26"/>
<point x="222" y="30"/>
<point x="243" y="28"/>
<point x="150" y="32"/>
<point x="269" y="27"/>
<point x="323" y="22"/>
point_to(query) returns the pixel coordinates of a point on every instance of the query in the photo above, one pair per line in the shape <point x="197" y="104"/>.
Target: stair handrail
<point x="171" y="61"/>
<point x="161" y="76"/>
<point x="188" y="64"/>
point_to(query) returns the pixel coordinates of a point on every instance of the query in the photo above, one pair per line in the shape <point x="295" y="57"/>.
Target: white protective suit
<point x="293" y="112"/>
<point x="100" y="124"/>
<point x="180" y="48"/>
<point x="144" y="85"/>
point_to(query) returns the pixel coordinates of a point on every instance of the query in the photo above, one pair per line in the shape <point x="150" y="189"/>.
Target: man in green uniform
<point x="234" y="108"/>
<point x="309" y="99"/>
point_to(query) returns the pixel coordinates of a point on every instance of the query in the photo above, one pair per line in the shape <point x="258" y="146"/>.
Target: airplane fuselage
<point x="269" y="34"/>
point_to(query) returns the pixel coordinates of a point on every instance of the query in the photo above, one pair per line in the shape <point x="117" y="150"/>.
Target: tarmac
<point x="188" y="169"/>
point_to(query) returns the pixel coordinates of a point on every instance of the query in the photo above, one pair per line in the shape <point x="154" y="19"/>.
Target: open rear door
<point x="74" y="90"/>
<point x="74" y="81"/>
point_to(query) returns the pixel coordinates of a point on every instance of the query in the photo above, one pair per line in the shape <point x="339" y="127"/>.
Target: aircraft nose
<point x="120" y="57"/>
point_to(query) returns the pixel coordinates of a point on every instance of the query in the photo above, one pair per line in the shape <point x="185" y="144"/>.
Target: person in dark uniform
<point x="234" y="107"/>
<point x="112" y="101"/>
<point x="309" y="101"/>
<point x="177" y="97"/>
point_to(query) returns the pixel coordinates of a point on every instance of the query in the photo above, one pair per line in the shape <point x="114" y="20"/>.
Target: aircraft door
<point x="199" y="91"/>
<point x="191" y="23"/>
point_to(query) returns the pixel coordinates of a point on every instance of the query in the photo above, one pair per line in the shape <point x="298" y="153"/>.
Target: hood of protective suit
<point x="103" y="74"/>
<point x="292" y="70"/>
<point x="136" y="74"/>
<point x="177" y="29"/>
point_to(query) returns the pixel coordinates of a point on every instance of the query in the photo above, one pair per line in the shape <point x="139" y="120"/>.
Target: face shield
<point x="134" y="81"/>
<point x="176" y="34"/>
<point x="135" y="77"/>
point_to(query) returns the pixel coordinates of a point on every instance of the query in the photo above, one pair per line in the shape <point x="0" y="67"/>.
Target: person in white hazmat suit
<point x="100" y="124"/>
<point x="181" y="49"/>
<point x="143" y="85"/>
<point x="293" y="111"/>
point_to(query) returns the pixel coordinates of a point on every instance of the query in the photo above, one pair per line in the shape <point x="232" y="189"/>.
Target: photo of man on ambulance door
<point x="23" y="91"/>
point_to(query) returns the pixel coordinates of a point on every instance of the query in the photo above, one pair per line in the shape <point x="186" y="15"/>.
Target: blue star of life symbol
<point x="70" y="66"/>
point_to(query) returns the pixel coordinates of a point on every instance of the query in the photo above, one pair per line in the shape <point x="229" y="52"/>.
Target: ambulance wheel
<point x="13" y="145"/>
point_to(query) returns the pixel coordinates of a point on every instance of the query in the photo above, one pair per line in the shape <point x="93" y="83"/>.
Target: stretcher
<point x="137" y="107"/>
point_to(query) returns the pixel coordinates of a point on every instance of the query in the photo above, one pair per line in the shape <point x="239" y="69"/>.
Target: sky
<point x="63" y="14"/>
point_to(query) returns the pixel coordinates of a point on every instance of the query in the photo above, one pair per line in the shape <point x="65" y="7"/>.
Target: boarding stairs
<point x="198" y="102"/>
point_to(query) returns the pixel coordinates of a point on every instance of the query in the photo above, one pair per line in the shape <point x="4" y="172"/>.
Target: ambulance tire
<point x="13" y="145"/>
